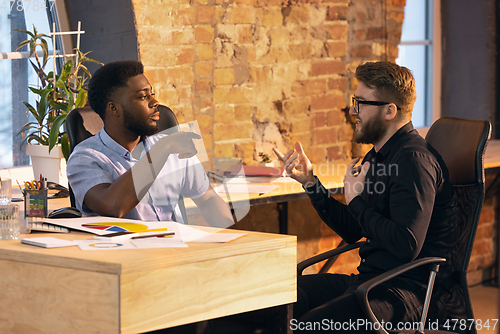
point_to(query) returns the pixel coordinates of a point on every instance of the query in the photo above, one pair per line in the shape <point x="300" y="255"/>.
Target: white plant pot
<point x="273" y="163"/>
<point x="52" y="166"/>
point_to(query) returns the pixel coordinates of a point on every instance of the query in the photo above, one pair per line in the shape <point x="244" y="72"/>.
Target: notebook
<point x="47" y="242"/>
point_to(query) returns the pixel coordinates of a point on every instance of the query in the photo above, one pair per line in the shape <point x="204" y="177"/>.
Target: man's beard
<point x="371" y="131"/>
<point x="139" y="128"/>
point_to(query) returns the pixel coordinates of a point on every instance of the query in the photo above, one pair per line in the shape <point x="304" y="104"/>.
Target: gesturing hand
<point x="182" y="143"/>
<point x="297" y="165"/>
<point x="354" y="179"/>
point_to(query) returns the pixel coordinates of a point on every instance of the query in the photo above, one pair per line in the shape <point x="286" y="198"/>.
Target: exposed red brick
<point x="360" y="35"/>
<point x="224" y="150"/>
<point x="336" y="48"/>
<point x="208" y="140"/>
<point x="396" y="16"/>
<point x="400" y="3"/>
<point x="337" y="84"/>
<point x="317" y="154"/>
<point x="319" y="119"/>
<point x="316" y="86"/>
<point x="334" y="117"/>
<point x="178" y="74"/>
<point x="245" y="34"/>
<point x="335" y="13"/>
<point x="337" y="31"/>
<point x="204" y="123"/>
<point x="204" y="34"/>
<point x="271" y="16"/>
<point x="203" y="86"/>
<point x="296" y="107"/>
<point x="335" y="153"/>
<point x="362" y="51"/>
<point x="327" y="101"/>
<point x="243" y="14"/>
<point x="223" y="76"/>
<point x="487" y="215"/>
<point x="327" y="67"/>
<point x="205" y="14"/>
<point x="345" y="133"/>
<point x="204" y="51"/>
<point x="203" y="68"/>
<point x="239" y="130"/>
<point x="324" y="136"/>
<point x="376" y="33"/>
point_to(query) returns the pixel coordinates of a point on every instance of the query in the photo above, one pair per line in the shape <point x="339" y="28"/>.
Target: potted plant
<point x="265" y="160"/>
<point x="56" y="96"/>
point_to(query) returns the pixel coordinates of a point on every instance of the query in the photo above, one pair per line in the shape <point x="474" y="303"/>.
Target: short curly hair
<point x="391" y="82"/>
<point x="107" y="79"/>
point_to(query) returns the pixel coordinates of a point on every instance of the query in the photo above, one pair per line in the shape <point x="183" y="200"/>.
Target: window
<point x="17" y="74"/>
<point x="419" y="50"/>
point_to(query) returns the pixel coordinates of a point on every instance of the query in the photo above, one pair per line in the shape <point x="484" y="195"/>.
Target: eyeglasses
<point x="356" y="103"/>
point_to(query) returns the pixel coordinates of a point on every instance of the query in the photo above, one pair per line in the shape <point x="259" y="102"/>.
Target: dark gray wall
<point x="469" y="59"/>
<point x="109" y="27"/>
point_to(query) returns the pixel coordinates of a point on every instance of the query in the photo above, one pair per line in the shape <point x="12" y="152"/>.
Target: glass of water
<point x="5" y="191"/>
<point x="9" y="222"/>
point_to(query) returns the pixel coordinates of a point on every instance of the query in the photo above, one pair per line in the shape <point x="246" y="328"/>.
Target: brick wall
<point x="258" y="74"/>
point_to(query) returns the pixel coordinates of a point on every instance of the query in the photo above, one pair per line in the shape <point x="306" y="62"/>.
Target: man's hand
<point x="297" y="165"/>
<point x="354" y="179"/>
<point x="181" y="143"/>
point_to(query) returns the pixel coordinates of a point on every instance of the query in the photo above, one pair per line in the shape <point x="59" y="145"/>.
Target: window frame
<point x="434" y="82"/>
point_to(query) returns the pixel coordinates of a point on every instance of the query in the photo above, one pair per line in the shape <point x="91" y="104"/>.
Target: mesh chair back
<point x="462" y="143"/>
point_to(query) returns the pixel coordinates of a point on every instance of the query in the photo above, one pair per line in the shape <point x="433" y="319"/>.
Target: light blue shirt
<point x="100" y="159"/>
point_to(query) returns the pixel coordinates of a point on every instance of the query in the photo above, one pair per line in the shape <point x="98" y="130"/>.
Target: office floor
<point x="485" y="304"/>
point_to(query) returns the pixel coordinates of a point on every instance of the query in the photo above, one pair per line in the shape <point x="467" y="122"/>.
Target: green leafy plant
<point x="56" y="95"/>
<point x="264" y="158"/>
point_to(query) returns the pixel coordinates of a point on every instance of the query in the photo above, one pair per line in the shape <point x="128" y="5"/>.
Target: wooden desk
<point x="66" y="290"/>
<point x="331" y="176"/>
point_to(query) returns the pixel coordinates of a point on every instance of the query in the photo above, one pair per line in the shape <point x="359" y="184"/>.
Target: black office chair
<point x="82" y="123"/>
<point x="462" y="144"/>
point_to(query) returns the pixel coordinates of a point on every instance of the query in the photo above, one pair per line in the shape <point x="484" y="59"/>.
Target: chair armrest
<point x="363" y="289"/>
<point x="323" y="256"/>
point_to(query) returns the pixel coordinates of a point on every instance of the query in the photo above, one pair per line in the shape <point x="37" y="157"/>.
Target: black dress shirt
<point x="406" y="210"/>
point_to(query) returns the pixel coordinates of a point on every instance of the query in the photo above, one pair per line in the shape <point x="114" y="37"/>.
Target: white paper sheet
<point x="103" y="245"/>
<point x="48" y="242"/>
<point x="189" y="234"/>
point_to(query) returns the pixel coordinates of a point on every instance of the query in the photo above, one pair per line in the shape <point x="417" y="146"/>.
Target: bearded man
<point x="128" y="169"/>
<point x="399" y="199"/>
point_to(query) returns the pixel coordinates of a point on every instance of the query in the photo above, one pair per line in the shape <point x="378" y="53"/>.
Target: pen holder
<point x="35" y="203"/>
